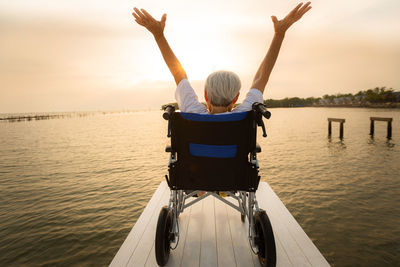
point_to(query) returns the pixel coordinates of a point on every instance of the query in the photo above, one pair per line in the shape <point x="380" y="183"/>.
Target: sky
<point x="70" y="55"/>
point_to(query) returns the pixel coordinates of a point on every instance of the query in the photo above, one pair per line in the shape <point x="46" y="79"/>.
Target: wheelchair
<point x="216" y="154"/>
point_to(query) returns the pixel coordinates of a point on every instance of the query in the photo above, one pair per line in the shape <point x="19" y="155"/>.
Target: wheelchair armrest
<point x="258" y="148"/>
<point x="168" y="148"/>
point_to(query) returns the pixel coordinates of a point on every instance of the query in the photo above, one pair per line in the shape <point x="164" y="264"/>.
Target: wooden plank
<point x="282" y="258"/>
<point x="208" y="251"/>
<point x="191" y="250"/>
<point x="269" y="203"/>
<point x="212" y="234"/>
<point x="290" y="245"/>
<point x="305" y="243"/>
<point x="240" y="240"/>
<point x="280" y="227"/>
<point x="151" y="259"/>
<point x="134" y="236"/>
<point x="380" y="119"/>
<point x="223" y="233"/>
<point x="142" y="252"/>
<point x="336" y="119"/>
<point x="294" y="239"/>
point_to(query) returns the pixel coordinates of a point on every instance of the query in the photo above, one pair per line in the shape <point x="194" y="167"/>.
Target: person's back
<point x="222" y="87"/>
<point x="221" y="93"/>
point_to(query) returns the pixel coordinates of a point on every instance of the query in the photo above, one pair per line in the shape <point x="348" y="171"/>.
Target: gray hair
<point x="222" y="87"/>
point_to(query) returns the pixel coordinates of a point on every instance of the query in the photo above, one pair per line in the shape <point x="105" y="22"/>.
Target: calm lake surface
<point x="71" y="189"/>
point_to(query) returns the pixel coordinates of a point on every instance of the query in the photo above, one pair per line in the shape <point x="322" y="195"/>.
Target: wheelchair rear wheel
<point x="163" y="236"/>
<point x="264" y="239"/>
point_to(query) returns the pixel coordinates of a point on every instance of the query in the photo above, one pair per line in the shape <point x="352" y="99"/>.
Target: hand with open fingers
<point x="142" y="17"/>
<point x="281" y="26"/>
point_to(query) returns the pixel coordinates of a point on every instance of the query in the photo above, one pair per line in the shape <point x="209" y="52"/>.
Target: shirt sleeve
<point x="253" y="96"/>
<point x="187" y="98"/>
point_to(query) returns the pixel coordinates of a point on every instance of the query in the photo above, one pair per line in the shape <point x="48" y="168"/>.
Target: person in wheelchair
<point x="222" y="87"/>
<point x="213" y="148"/>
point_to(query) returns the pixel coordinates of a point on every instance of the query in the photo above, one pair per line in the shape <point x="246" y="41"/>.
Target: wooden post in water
<point x="329" y="127"/>
<point x="372" y="127"/>
<point x="341" y="129"/>
<point x="389" y="125"/>
<point x="341" y="126"/>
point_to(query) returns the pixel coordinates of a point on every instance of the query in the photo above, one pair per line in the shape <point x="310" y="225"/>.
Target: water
<point x="71" y="189"/>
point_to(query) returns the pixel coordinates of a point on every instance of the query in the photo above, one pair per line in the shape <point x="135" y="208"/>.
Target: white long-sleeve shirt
<point x="189" y="102"/>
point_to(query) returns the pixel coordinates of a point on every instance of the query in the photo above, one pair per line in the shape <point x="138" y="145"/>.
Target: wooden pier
<point x="212" y="234"/>
<point x="389" y="125"/>
<point x="341" y="121"/>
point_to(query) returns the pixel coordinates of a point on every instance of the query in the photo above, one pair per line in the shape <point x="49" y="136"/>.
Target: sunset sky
<point x="91" y="55"/>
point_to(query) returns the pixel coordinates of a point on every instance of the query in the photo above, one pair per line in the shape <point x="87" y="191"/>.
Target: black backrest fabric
<point x="192" y="172"/>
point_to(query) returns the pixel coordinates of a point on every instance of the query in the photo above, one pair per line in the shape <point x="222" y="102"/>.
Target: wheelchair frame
<point x="260" y="234"/>
<point x="177" y="202"/>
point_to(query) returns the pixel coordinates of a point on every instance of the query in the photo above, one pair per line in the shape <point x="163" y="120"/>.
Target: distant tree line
<point x="291" y="102"/>
<point x="379" y="97"/>
<point x="376" y="95"/>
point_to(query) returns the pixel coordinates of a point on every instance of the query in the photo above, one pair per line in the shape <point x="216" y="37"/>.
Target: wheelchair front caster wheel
<point x="264" y="239"/>
<point x="163" y="236"/>
<point x="242" y="217"/>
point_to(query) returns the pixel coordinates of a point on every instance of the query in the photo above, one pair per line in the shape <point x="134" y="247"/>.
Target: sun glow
<point x="199" y="47"/>
<point x="199" y="62"/>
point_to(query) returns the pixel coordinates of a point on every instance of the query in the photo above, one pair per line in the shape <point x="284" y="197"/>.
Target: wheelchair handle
<point x="168" y="110"/>
<point x="261" y="108"/>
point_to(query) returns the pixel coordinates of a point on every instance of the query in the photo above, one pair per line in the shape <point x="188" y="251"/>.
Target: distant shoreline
<point x="379" y="97"/>
<point x="384" y="105"/>
<point x="366" y="105"/>
<point x="18" y="117"/>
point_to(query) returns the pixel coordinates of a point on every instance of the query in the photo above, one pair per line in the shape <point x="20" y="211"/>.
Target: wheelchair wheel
<point x="163" y="236"/>
<point x="264" y="239"/>
<point x="242" y="217"/>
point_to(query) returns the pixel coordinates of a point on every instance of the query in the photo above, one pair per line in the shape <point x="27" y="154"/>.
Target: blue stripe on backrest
<point x="212" y="151"/>
<point x="238" y="116"/>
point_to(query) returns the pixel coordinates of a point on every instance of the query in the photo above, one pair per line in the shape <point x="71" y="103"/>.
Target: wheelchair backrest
<point x="213" y="151"/>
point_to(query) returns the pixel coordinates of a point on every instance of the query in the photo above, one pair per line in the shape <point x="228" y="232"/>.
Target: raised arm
<point x="280" y="26"/>
<point x="142" y="17"/>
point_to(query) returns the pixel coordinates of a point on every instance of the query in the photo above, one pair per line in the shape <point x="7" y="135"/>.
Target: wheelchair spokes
<point x="264" y="239"/>
<point x="163" y="235"/>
